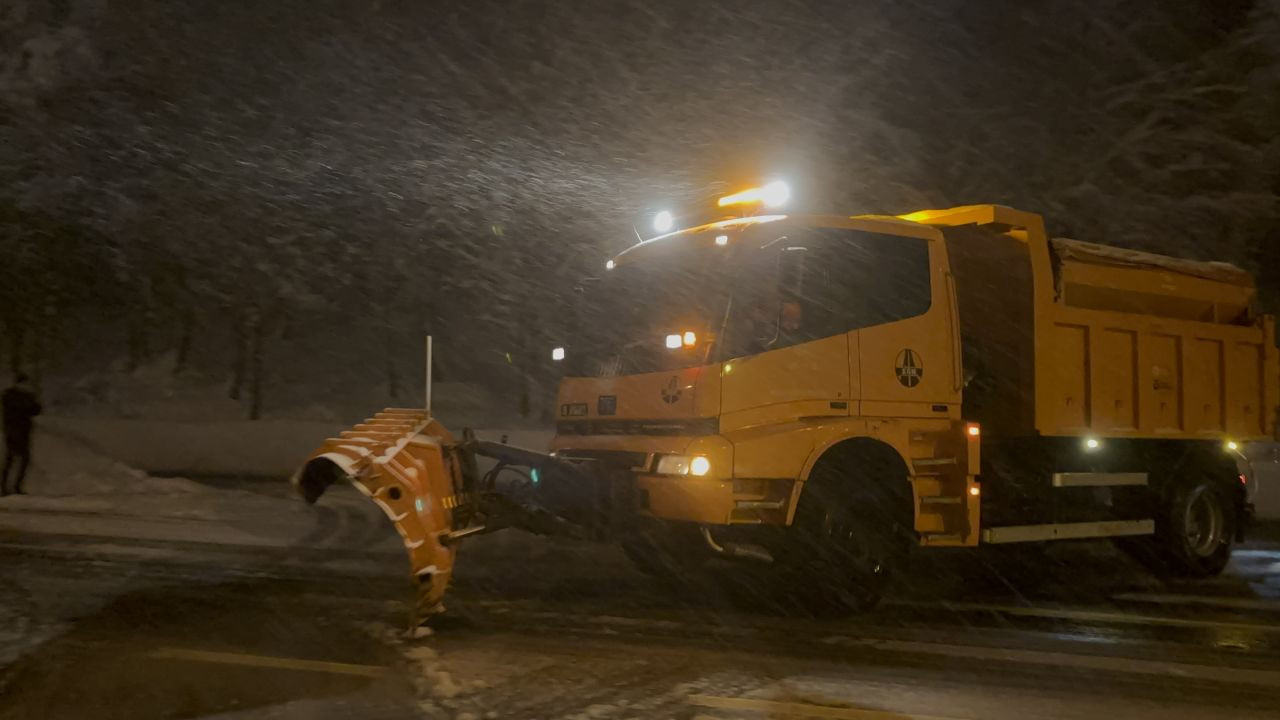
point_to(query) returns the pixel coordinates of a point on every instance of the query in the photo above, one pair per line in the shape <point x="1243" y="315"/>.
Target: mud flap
<point x="411" y="467"/>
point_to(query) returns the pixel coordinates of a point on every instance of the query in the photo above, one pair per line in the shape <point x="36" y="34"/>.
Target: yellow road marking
<point x="267" y="661"/>
<point x="793" y="709"/>
<point x="1105" y="663"/>
<point x="1231" y="603"/>
<point x="1091" y="616"/>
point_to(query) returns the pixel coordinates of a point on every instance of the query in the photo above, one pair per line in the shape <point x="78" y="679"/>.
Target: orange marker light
<point x="975" y="491"/>
<point x="742" y="198"/>
<point x="974" y="430"/>
<point x="690" y="339"/>
<point x="774" y="194"/>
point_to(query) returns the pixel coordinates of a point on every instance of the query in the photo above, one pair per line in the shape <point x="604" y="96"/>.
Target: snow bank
<point x="67" y="475"/>
<point x="153" y="392"/>
<point x="186" y="425"/>
<point x="241" y="448"/>
<point x="266" y="448"/>
<point x="64" y="466"/>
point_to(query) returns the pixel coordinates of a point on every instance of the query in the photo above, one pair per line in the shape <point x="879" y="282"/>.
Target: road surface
<point x="108" y="615"/>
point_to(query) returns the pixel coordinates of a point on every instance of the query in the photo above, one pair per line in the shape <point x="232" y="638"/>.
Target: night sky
<point x="458" y="165"/>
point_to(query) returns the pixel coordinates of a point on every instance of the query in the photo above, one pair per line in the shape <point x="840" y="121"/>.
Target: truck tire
<point x="1194" y="531"/>
<point x="847" y="540"/>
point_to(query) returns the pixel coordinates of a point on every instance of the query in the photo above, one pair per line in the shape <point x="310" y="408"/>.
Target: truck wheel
<point x="1194" y="531"/>
<point x="1201" y="524"/>
<point x="833" y="568"/>
<point x="846" y="541"/>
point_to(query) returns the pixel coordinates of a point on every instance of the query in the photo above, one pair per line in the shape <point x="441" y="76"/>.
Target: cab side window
<point x="818" y="282"/>
<point x="868" y="279"/>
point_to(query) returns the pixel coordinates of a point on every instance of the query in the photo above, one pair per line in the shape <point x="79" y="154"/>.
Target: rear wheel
<point x="1198" y="531"/>
<point x="1194" y="530"/>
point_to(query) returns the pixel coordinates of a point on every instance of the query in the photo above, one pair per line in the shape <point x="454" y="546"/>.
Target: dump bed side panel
<point x="1124" y="374"/>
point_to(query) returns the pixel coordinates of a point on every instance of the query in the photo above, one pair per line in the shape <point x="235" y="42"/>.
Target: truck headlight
<point x="699" y="466"/>
<point x="683" y="465"/>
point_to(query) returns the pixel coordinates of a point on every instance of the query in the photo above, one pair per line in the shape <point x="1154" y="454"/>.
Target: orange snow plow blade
<point x="408" y="464"/>
<point x="428" y="483"/>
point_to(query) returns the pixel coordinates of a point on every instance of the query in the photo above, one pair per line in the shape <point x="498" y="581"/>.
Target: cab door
<point x="907" y="342"/>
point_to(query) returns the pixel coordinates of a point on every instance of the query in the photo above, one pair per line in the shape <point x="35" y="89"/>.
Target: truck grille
<point x="695" y="426"/>
<point x="630" y="460"/>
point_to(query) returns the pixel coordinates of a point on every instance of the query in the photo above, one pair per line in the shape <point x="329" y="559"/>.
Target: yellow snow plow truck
<point x="822" y="395"/>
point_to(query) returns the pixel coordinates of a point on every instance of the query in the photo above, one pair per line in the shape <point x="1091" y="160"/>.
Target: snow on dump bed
<point x="1095" y="254"/>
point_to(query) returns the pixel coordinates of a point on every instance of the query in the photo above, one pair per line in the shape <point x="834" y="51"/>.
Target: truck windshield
<point x="623" y="327"/>
<point x="781" y="285"/>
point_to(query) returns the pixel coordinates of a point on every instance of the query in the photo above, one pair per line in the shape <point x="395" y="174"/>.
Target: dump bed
<point x="1148" y="345"/>
<point x="1066" y="337"/>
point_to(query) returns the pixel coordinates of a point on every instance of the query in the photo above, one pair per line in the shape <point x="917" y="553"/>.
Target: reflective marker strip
<point x="266" y="661"/>
<point x="454" y="501"/>
<point x="1099" y="479"/>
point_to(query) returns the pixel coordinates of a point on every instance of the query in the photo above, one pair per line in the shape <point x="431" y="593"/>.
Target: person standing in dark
<point x="20" y="409"/>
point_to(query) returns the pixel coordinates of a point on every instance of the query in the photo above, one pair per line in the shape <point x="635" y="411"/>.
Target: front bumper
<point x="716" y="498"/>
<point x="704" y="500"/>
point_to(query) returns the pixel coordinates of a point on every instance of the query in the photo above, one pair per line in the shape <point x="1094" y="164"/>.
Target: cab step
<point x="941" y="500"/>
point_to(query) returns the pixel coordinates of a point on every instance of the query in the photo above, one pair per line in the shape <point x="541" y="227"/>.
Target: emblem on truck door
<point x="908" y="368"/>
<point x="671" y="391"/>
